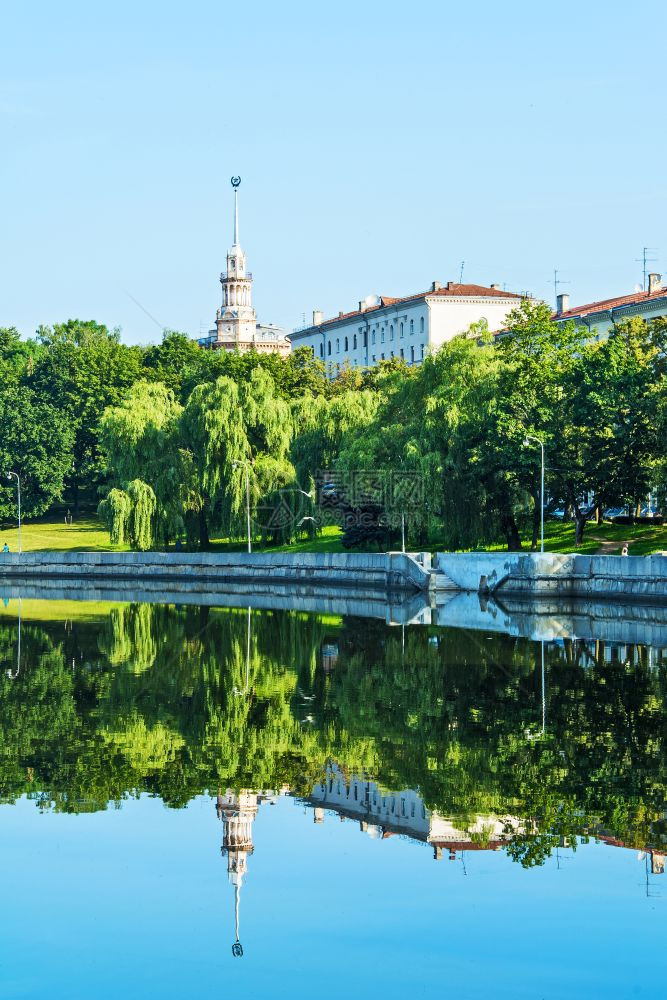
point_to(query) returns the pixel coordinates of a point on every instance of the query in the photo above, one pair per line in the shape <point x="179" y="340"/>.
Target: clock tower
<point x="236" y="321"/>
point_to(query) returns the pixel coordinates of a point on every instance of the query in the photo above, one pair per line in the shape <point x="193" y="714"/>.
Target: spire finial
<point x="236" y="181"/>
<point x="237" y="947"/>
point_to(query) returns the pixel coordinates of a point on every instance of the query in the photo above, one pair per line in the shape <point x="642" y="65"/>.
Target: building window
<point x="412" y="355"/>
<point x="354" y="342"/>
<point x="382" y="357"/>
<point x="373" y="357"/>
<point x="329" y="348"/>
<point x="422" y="352"/>
<point x="402" y="331"/>
<point x="421" y="325"/>
<point x="365" y="338"/>
<point x="402" y="354"/>
<point x="321" y="350"/>
<point x="346" y="345"/>
<point x="392" y="354"/>
<point x="373" y="337"/>
<point x="391" y="332"/>
<point x="412" y="327"/>
<point x="337" y="345"/>
<point x="382" y="336"/>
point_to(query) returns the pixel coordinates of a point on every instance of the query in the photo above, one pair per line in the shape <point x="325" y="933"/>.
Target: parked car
<point x="559" y="513"/>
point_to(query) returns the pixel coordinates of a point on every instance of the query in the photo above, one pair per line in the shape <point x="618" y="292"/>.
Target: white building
<point x="236" y="326"/>
<point x="383" y="328"/>
<point x="599" y="317"/>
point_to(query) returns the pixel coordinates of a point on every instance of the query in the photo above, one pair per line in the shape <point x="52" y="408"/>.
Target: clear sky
<point x="380" y="144"/>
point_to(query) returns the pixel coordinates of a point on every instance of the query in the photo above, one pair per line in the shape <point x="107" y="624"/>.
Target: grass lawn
<point x="642" y="539"/>
<point x="87" y="534"/>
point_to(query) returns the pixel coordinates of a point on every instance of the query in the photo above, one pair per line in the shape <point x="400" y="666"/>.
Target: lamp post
<point x="16" y="476"/>
<point x="527" y="439"/>
<point x="245" y="463"/>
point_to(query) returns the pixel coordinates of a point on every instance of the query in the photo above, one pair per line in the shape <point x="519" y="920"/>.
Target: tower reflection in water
<point x="381" y="814"/>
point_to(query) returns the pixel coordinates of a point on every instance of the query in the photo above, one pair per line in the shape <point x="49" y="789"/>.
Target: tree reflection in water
<point x="181" y="701"/>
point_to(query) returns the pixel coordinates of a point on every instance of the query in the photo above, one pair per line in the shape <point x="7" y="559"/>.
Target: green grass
<point x="642" y="539"/>
<point x="86" y="534"/>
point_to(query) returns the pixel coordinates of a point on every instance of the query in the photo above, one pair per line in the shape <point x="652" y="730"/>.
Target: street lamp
<point x="528" y="438"/>
<point x="16" y="476"/>
<point x="244" y="462"/>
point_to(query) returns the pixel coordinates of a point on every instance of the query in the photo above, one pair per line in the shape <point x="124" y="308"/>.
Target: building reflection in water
<point x="237" y="812"/>
<point x="380" y="814"/>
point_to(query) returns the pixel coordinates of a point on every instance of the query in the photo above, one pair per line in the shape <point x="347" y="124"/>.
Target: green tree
<point x="36" y="443"/>
<point x="82" y="369"/>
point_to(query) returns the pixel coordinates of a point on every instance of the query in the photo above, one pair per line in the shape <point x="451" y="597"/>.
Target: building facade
<point x="383" y="328"/>
<point x="599" y="317"/>
<point x="236" y="327"/>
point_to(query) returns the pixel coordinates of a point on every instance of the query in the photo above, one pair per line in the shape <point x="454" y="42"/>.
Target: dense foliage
<point x="165" y="436"/>
<point x="178" y="701"/>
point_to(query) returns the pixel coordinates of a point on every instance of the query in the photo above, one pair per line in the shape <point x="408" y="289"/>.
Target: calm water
<point x="351" y="808"/>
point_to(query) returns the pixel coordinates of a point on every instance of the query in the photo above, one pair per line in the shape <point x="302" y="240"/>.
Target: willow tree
<point x="150" y="474"/>
<point x="228" y="429"/>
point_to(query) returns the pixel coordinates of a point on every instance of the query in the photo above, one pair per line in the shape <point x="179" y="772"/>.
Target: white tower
<point x="236" y="321"/>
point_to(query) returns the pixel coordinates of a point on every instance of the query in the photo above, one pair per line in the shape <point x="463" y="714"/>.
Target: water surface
<point x="200" y="800"/>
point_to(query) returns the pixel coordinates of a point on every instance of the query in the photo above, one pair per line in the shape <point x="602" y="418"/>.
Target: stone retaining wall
<point x="551" y="574"/>
<point x="385" y="571"/>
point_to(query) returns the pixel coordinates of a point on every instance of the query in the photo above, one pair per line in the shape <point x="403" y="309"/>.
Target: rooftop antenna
<point x="644" y="260"/>
<point x="463" y="264"/>
<point x="557" y="282"/>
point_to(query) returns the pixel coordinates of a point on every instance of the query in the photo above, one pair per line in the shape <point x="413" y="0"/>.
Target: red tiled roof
<point x="449" y="290"/>
<point x="604" y="304"/>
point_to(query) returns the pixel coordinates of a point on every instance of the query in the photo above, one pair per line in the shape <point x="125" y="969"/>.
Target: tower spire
<point x="236" y="181"/>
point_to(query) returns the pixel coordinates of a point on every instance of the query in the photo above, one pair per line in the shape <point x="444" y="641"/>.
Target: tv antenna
<point x="463" y="264"/>
<point x="557" y="283"/>
<point x="644" y="260"/>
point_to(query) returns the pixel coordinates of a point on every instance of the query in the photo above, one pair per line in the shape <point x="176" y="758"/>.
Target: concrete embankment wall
<point x="385" y="571"/>
<point x="534" y="574"/>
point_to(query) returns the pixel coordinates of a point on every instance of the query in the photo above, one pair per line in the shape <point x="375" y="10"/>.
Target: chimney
<point x="318" y="316"/>
<point x="562" y="303"/>
<point x="435" y="286"/>
<point x="450" y="285"/>
<point x="496" y="288"/>
<point x="340" y="314"/>
<point x="362" y="306"/>
<point x="654" y="283"/>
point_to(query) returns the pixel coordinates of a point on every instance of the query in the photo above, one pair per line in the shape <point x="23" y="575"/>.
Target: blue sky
<point x="380" y="144"/>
